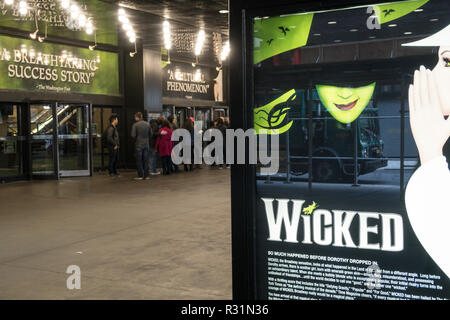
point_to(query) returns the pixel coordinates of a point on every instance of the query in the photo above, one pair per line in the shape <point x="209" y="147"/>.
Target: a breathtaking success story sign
<point x="30" y="65"/>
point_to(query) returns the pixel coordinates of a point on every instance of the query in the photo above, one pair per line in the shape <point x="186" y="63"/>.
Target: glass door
<point x="73" y="139"/>
<point x="43" y="136"/>
<point x="11" y="141"/>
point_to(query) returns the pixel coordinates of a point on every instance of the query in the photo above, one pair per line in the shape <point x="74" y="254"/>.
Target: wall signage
<point x="182" y="80"/>
<point x="33" y="66"/>
<point x="50" y="12"/>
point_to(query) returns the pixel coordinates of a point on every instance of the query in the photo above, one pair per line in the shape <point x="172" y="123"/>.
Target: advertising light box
<point x="359" y="98"/>
<point x="34" y="66"/>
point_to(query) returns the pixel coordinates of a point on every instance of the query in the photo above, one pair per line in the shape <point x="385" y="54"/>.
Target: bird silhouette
<point x="284" y="30"/>
<point x="388" y="12"/>
<point x="269" y="42"/>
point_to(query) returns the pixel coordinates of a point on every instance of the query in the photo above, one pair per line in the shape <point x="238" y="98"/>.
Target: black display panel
<point x="356" y="211"/>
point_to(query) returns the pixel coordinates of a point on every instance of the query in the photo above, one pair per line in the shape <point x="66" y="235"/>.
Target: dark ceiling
<point x="186" y="17"/>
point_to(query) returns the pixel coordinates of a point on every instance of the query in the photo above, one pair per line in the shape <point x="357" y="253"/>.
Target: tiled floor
<point x="167" y="238"/>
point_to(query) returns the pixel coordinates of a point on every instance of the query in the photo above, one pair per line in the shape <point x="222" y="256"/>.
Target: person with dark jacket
<point x="223" y="129"/>
<point x="113" y="145"/>
<point x="141" y="132"/>
<point x="189" y="126"/>
<point x="153" y="152"/>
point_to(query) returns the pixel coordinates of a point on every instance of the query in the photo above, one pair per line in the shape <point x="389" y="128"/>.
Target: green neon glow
<point x="393" y="11"/>
<point x="271" y="117"/>
<point x="276" y="35"/>
<point x="345" y="104"/>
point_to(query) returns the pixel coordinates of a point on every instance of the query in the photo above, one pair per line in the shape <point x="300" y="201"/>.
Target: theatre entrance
<point x="60" y="143"/>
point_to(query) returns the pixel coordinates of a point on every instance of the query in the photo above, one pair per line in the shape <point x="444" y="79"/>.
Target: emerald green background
<point x="104" y="16"/>
<point x="105" y="81"/>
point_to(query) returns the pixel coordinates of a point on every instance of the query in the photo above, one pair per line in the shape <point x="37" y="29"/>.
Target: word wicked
<point x="371" y="230"/>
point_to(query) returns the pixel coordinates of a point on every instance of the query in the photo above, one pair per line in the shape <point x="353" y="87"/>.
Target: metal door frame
<point x="55" y="174"/>
<point x="87" y="129"/>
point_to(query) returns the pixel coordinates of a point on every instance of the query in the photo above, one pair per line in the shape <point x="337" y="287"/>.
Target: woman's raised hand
<point x="429" y="127"/>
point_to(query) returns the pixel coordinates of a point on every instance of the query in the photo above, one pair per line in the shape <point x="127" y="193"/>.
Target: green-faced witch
<point x="271" y="118"/>
<point x="345" y="104"/>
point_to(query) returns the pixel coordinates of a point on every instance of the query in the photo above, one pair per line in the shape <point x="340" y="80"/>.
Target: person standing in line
<point x="189" y="126"/>
<point x="141" y="131"/>
<point x="173" y="126"/>
<point x="153" y="152"/>
<point x="164" y="146"/>
<point x="222" y="128"/>
<point x="113" y="145"/>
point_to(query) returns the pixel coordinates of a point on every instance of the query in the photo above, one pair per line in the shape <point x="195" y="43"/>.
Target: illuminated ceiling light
<point x="337" y="41"/>
<point x="124" y="19"/>
<point x="82" y="20"/>
<point x="353" y="30"/>
<point x="223" y="11"/>
<point x="130" y="34"/>
<point x="418" y="10"/>
<point x="316" y="34"/>
<point x="74" y="11"/>
<point x="126" y="27"/>
<point x="34" y="35"/>
<point x="434" y="20"/>
<point x="392" y="25"/>
<point x="166" y="32"/>
<point x="92" y="47"/>
<point x="225" y="51"/>
<point x="407" y="33"/>
<point x="372" y="37"/>
<point x="200" y="41"/>
<point x="121" y="12"/>
<point x="9" y="2"/>
<point x="23" y="8"/>
<point x="132" y="54"/>
<point x="65" y="4"/>
<point x="332" y="22"/>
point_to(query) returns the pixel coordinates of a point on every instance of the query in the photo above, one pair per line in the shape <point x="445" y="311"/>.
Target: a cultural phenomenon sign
<point x="34" y="66"/>
<point x="182" y="80"/>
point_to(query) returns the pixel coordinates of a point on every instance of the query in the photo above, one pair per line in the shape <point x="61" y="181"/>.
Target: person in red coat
<point x="164" y="146"/>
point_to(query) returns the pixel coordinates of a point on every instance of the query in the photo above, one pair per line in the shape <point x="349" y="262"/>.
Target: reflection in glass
<point x="41" y="126"/>
<point x="10" y="141"/>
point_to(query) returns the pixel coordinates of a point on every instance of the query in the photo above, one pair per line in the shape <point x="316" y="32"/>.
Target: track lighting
<point x="92" y="47"/>
<point x="34" y="34"/>
<point x="132" y="54"/>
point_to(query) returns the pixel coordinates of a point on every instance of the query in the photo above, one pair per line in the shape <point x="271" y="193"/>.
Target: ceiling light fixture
<point x="353" y="30"/>
<point x="408" y="32"/>
<point x="225" y="51"/>
<point x="41" y="39"/>
<point x="132" y="54"/>
<point x="33" y="35"/>
<point x="200" y="41"/>
<point x="167" y="35"/>
<point x="23" y="8"/>
<point x="65" y="4"/>
<point x="9" y="2"/>
<point x="223" y="11"/>
<point x="392" y="25"/>
<point x="92" y="47"/>
<point x="332" y="22"/>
